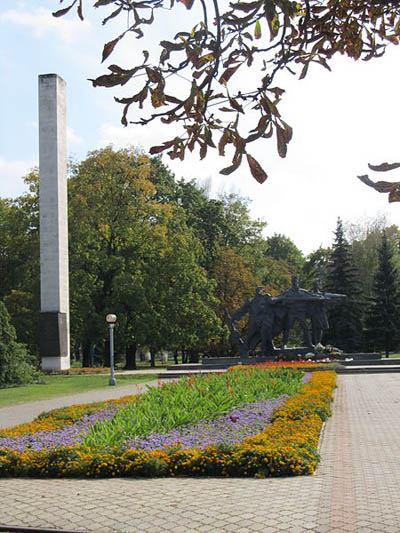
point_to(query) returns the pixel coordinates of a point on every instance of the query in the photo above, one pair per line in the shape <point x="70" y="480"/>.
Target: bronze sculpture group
<point x="271" y="315"/>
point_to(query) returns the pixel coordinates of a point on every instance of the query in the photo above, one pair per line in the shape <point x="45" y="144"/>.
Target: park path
<point x="356" y="487"/>
<point x="17" y="414"/>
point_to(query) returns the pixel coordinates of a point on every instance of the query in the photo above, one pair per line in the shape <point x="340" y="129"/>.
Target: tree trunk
<point x="176" y="356"/>
<point x="130" y="361"/>
<point x="153" y="358"/>
<point x="193" y="356"/>
<point x="86" y="355"/>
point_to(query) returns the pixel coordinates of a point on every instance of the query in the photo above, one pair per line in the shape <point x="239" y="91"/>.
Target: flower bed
<point x="76" y="370"/>
<point x="286" y="446"/>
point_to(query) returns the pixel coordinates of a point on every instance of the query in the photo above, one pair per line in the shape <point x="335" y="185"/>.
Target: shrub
<point x="16" y="365"/>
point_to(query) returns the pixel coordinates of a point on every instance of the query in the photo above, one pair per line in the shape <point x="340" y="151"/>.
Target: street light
<point x="111" y="319"/>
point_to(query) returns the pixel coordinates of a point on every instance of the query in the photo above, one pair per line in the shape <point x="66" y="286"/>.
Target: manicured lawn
<point x="64" y="385"/>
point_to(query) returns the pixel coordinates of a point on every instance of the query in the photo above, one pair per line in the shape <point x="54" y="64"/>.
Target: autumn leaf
<point x="224" y="140"/>
<point x="380" y="186"/>
<point x="79" y="10"/>
<point x="113" y="15"/>
<point x="157" y="97"/>
<point x="187" y="3"/>
<point x="228" y="170"/>
<point x="229" y="72"/>
<point x="103" y="3"/>
<point x="281" y="140"/>
<point x="62" y="12"/>
<point x="256" y="170"/>
<point x="109" y="47"/>
<point x="235" y="104"/>
<point x="394" y="195"/>
<point x="272" y="19"/>
<point x="257" y="30"/>
<point x="384" y="167"/>
<point x="109" y="80"/>
<point x="153" y="75"/>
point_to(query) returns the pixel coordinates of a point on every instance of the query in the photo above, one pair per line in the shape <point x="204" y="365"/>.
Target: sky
<point x="342" y="120"/>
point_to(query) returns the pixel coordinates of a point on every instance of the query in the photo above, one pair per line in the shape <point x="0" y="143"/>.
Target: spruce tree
<point x="345" y="317"/>
<point x="383" y="317"/>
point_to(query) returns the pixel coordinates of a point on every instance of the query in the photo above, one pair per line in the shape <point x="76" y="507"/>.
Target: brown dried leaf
<point x="171" y="47"/>
<point x="203" y="150"/>
<point x="103" y="3"/>
<point x="228" y="74"/>
<point x="281" y="140"/>
<point x="380" y="186"/>
<point x="187" y="3"/>
<point x="62" y="12"/>
<point x="272" y="19"/>
<point x="384" y="167"/>
<point x="288" y="131"/>
<point x="247" y="6"/>
<point x="109" y="47"/>
<point x="228" y="170"/>
<point x="113" y="15"/>
<point x="79" y="10"/>
<point x="304" y="71"/>
<point x="153" y="75"/>
<point x="256" y="169"/>
<point x="157" y="96"/>
<point x="394" y="195"/>
<point x="157" y="149"/>
<point x="109" y="80"/>
<point x="224" y="140"/>
<point x="235" y="104"/>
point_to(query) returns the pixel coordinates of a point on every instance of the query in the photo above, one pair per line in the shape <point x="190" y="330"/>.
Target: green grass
<point x="62" y="386"/>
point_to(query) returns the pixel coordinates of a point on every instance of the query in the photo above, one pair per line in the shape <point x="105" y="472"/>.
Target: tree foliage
<point x="230" y="44"/>
<point x="19" y="261"/>
<point x="365" y="238"/>
<point x="282" y="248"/>
<point x="346" y="318"/>
<point x="133" y="255"/>
<point x="15" y="362"/>
<point x="383" y="318"/>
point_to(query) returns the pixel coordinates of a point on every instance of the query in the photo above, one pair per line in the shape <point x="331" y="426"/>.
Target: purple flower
<point x="230" y="428"/>
<point x="64" y="436"/>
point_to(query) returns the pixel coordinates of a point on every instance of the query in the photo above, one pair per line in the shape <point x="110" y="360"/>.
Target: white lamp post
<point x="111" y="319"/>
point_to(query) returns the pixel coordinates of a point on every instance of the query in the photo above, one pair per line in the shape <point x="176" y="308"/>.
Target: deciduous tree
<point x="227" y="44"/>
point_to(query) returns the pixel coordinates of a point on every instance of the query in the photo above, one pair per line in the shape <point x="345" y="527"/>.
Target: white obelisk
<point x="54" y="286"/>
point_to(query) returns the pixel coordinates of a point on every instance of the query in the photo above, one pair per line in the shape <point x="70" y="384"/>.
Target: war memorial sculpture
<point x="270" y="316"/>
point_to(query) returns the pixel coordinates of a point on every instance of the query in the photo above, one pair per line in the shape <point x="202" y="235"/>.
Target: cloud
<point x="72" y="138"/>
<point x="11" y="173"/>
<point x="41" y="22"/>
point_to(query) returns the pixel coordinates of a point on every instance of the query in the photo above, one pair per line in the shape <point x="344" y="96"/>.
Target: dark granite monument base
<point x="226" y="362"/>
<point x="53" y="339"/>
<point x="360" y="356"/>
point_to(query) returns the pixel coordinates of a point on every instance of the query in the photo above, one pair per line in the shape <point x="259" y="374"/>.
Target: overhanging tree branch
<point x="214" y="57"/>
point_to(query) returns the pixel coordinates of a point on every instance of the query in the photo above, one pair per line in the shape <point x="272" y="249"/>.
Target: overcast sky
<point x="342" y="120"/>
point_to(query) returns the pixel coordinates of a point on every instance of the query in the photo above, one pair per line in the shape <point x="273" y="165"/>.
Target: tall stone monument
<point x="54" y="286"/>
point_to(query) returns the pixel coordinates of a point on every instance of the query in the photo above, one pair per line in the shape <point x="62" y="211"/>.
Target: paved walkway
<point x="17" y="414"/>
<point x="356" y="487"/>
